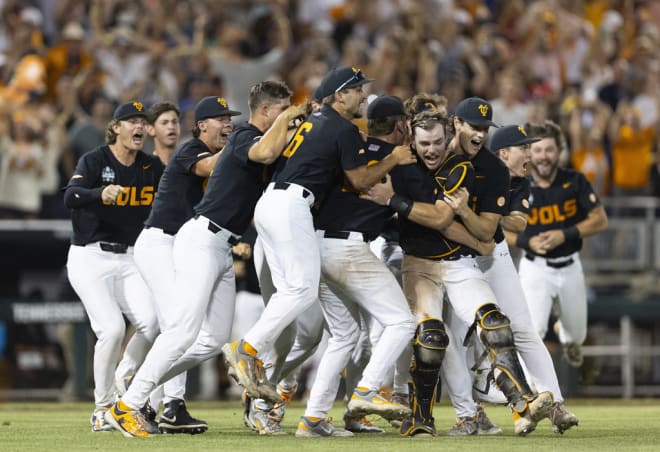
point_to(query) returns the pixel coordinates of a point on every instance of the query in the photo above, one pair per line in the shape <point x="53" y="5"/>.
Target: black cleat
<point x="176" y="419"/>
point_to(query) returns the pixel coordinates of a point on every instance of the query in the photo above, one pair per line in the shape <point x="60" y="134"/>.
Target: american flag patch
<point x="373" y="147"/>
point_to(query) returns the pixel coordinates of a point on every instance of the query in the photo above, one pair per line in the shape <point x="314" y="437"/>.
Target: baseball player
<point x="511" y="143"/>
<point x="345" y="225"/>
<point x="426" y="248"/>
<point x="110" y="195"/>
<point x="199" y="313"/>
<point x="181" y="187"/>
<point x="564" y="209"/>
<point x="323" y="144"/>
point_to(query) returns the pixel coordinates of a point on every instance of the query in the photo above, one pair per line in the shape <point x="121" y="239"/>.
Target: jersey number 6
<point x="297" y="139"/>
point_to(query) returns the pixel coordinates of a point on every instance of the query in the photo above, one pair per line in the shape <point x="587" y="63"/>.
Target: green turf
<point x="605" y="425"/>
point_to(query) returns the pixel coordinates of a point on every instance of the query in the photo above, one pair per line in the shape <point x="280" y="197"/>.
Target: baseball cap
<point x="512" y="135"/>
<point x="384" y="106"/>
<point x="341" y="78"/>
<point x="475" y="111"/>
<point x="128" y="110"/>
<point x="212" y="107"/>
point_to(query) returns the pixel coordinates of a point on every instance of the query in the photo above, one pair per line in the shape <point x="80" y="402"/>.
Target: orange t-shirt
<point x="632" y="157"/>
<point x="594" y="165"/>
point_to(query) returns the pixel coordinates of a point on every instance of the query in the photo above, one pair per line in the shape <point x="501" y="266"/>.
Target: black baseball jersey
<point x="323" y="143"/>
<point x="565" y="203"/>
<point x="236" y="182"/>
<point x="180" y="188"/>
<point x="491" y="188"/>
<point x="519" y="191"/>
<point x="344" y="210"/>
<point x="121" y="222"/>
<point x="415" y="182"/>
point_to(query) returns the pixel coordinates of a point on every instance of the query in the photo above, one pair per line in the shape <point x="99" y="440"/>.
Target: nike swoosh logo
<point x="168" y="419"/>
<point x="146" y="166"/>
<point x="566" y="185"/>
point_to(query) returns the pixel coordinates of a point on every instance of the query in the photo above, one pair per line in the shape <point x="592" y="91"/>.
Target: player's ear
<point x="151" y="131"/>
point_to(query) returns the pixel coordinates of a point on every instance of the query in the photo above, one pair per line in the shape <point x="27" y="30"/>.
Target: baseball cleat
<point x="402" y="399"/>
<point x="307" y="428"/>
<point x="99" y="424"/>
<point x="264" y="418"/>
<point x="177" y="419"/>
<point x="561" y="418"/>
<point x="365" y="401"/>
<point x="249" y="372"/>
<point x="416" y="427"/>
<point x="150" y="416"/>
<point x="130" y="422"/>
<point x="540" y="407"/>
<point x="360" y="424"/>
<point x="523" y="424"/>
<point x="484" y="424"/>
<point x="465" y="426"/>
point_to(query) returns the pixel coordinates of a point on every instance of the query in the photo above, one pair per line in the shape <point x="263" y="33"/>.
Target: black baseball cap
<point x="475" y="111"/>
<point x="212" y="107"/>
<point x="341" y="78"/>
<point x="129" y="110"/>
<point x="384" y="106"/>
<point x="511" y="135"/>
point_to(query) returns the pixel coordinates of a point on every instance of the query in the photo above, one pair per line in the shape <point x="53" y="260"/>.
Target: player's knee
<point x="430" y="343"/>
<point x="495" y="327"/>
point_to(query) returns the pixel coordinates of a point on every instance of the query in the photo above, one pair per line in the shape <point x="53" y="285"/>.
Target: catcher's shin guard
<point x="429" y="345"/>
<point x="497" y="336"/>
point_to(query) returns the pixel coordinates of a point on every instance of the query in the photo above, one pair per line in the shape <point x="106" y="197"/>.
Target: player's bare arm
<point x="435" y="216"/>
<point x="458" y="233"/>
<point x="482" y="226"/>
<point x="364" y="177"/>
<point x="273" y="142"/>
<point x="204" y="167"/>
<point x="515" y="222"/>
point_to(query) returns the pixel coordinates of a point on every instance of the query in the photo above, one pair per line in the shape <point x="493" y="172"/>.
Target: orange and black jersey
<point x="121" y="222"/>
<point x="236" y="182"/>
<point x="180" y="188"/>
<point x="323" y="143"/>
<point x="565" y="203"/>
<point x="491" y="187"/>
<point x="415" y="182"/>
<point x="344" y="210"/>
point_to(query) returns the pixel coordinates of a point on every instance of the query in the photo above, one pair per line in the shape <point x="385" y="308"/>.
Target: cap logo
<point x="222" y="101"/>
<point x="138" y="105"/>
<point x="521" y="130"/>
<point x="483" y="109"/>
<point x="354" y="69"/>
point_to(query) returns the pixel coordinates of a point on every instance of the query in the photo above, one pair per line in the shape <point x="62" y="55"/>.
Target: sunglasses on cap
<point x="356" y="77"/>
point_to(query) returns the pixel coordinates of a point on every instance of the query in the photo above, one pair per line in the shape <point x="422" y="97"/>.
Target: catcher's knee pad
<point x="430" y="343"/>
<point x="497" y="336"/>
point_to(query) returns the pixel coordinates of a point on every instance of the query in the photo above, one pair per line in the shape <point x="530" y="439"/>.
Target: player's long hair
<point x="110" y="135"/>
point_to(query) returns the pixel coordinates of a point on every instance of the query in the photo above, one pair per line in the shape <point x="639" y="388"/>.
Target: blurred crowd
<point x="591" y="65"/>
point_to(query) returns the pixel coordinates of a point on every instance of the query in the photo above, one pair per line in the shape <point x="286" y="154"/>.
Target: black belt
<point x="165" y="231"/>
<point x="214" y="228"/>
<point x="117" y="248"/>
<point x="549" y="263"/>
<point x="344" y="235"/>
<point x="286" y="185"/>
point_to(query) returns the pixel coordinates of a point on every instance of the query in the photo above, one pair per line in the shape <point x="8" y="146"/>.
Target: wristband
<point x="401" y="205"/>
<point x="571" y="233"/>
<point x="522" y="241"/>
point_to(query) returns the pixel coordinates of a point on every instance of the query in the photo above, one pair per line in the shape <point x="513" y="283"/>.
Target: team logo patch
<point x="592" y="197"/>
<point x="525" y="204"/>
<point x="138" y="106"/>
<point x="373" y="147"/>
<point x="222" y="101"/>
<point x="483" y="109"/>
<point x="501" y="201"/>
<point x="108" y="175"/>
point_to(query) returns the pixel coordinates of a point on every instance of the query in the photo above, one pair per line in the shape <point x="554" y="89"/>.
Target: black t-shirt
<point x="180" y="188"/>
<point x="120" y="222"/>
<point x="322" y="144"/>
<point x="565" y="203"/>
<point x="344" y="210"/>
<point x="415" y="182"/>
<point x="491" y="188"/>
<point x="236" y="182"/>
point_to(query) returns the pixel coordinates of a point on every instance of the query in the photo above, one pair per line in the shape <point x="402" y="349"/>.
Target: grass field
<point x="605" y="425"/>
